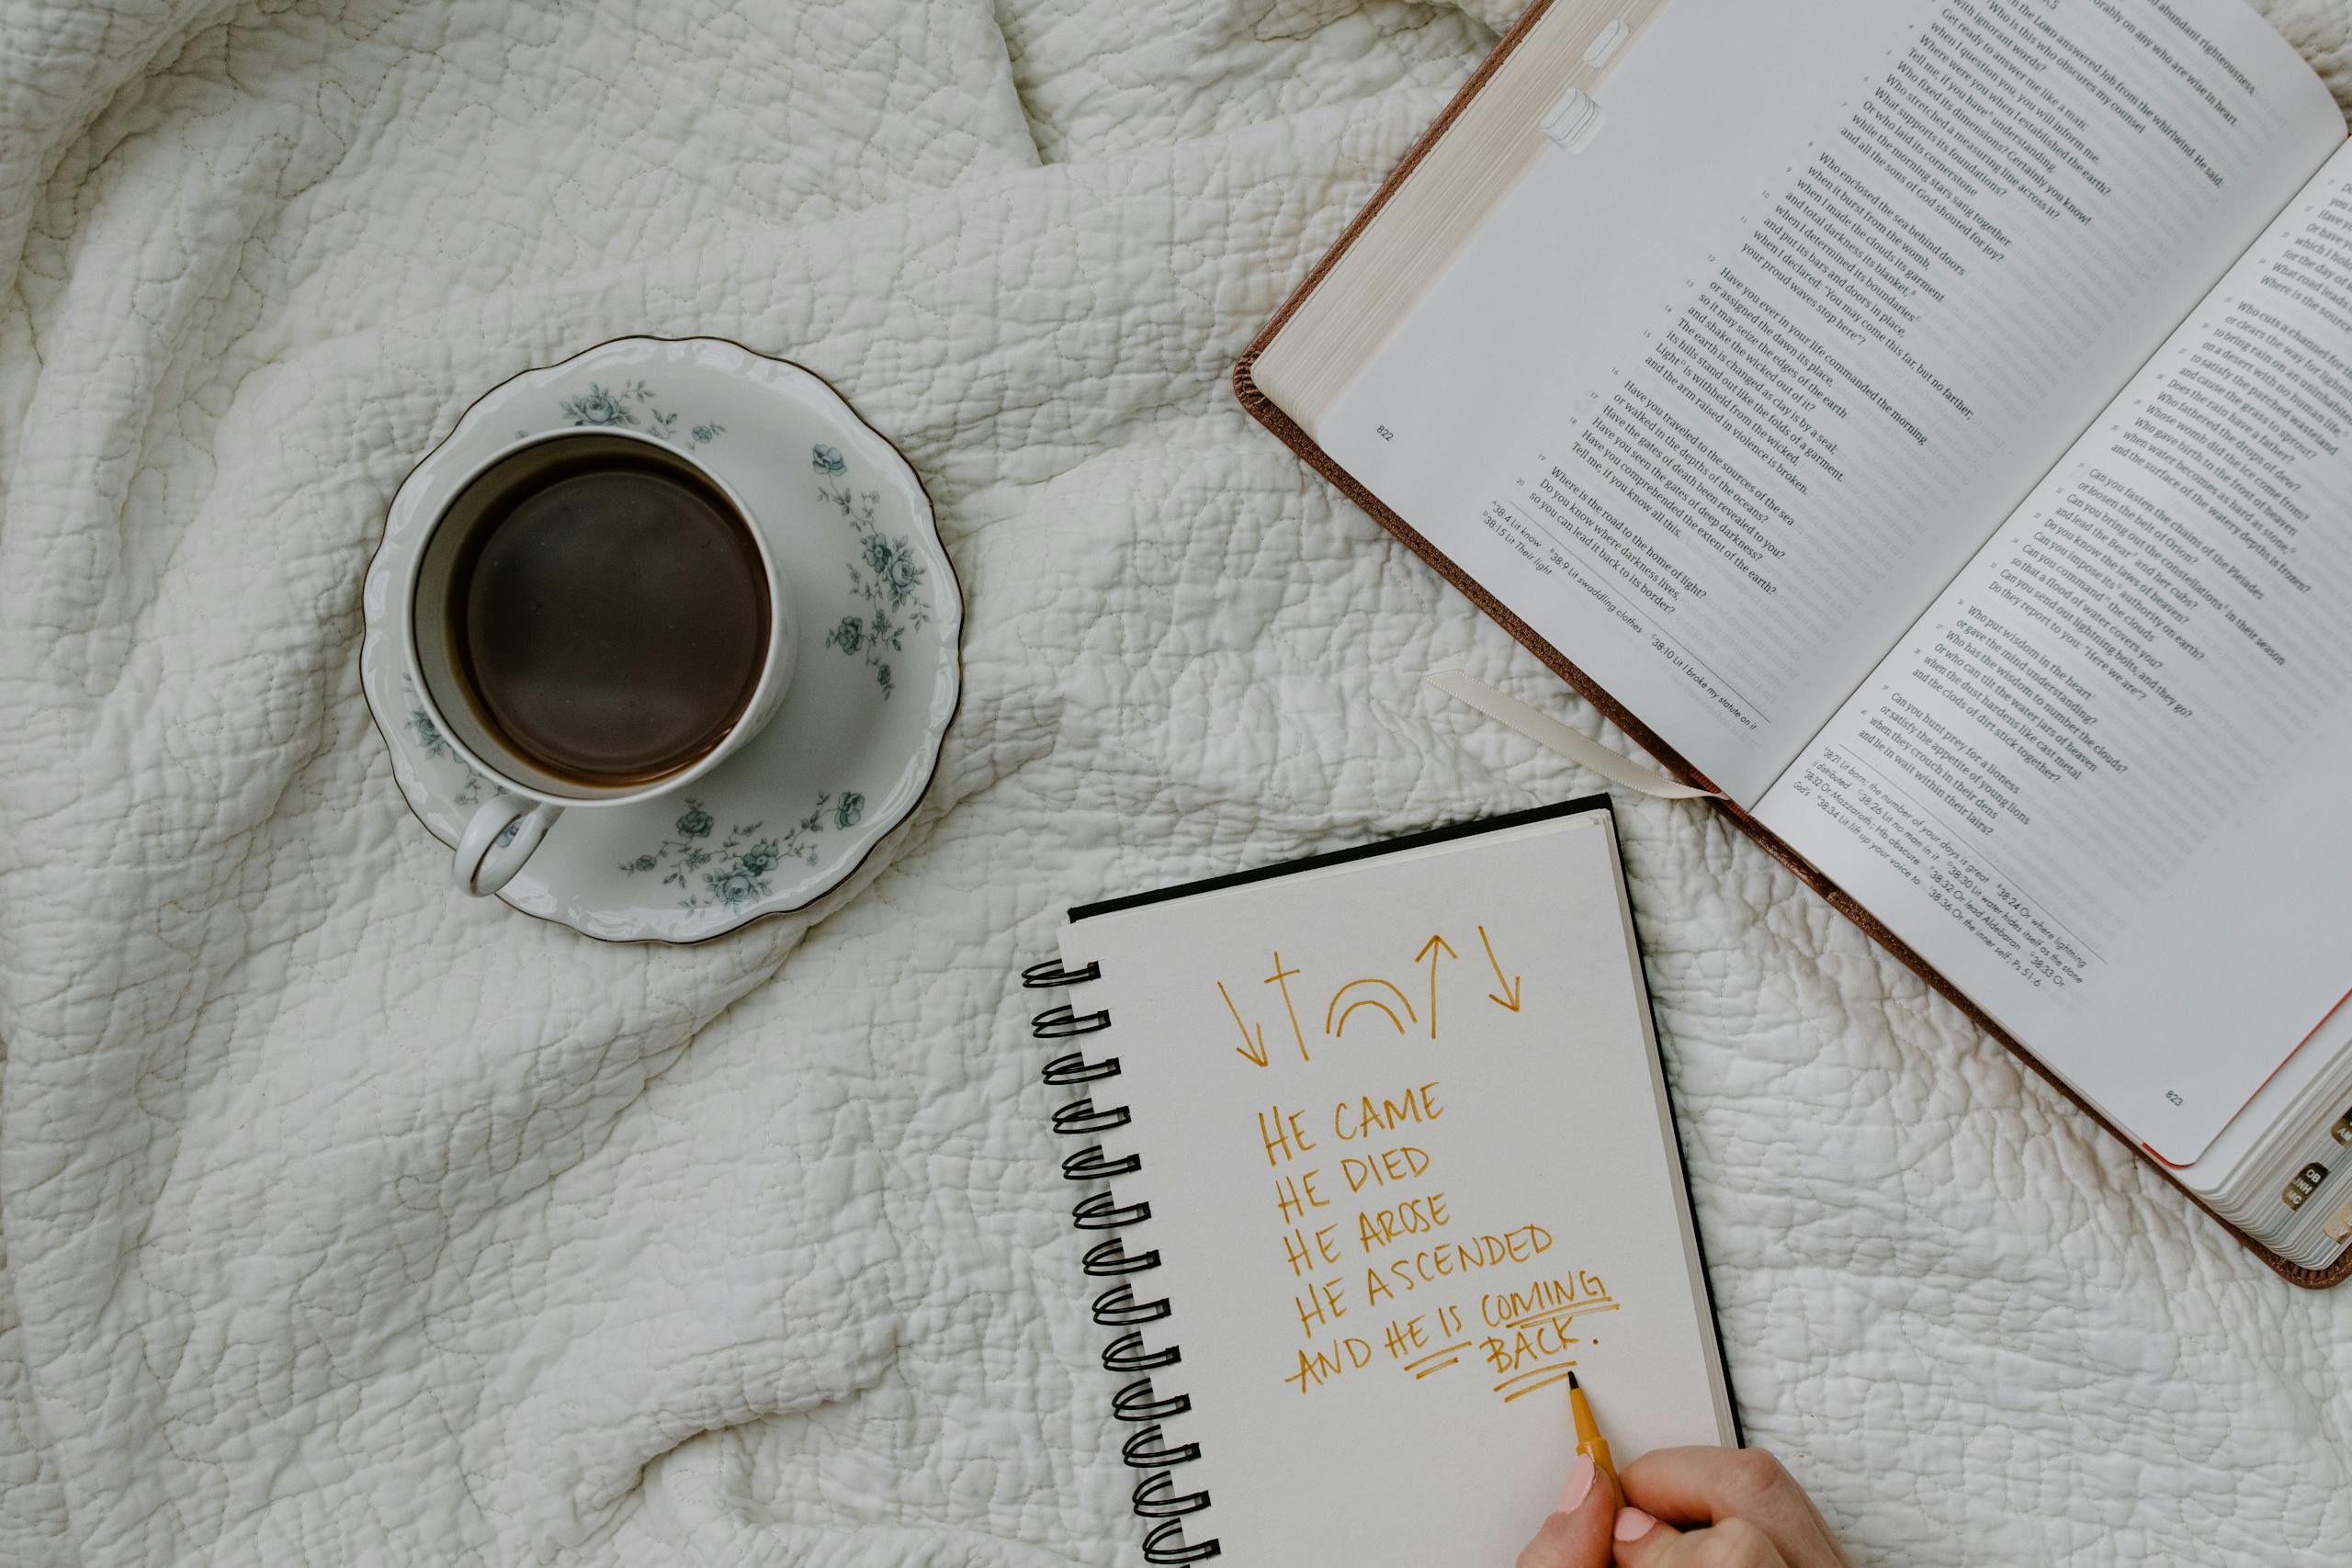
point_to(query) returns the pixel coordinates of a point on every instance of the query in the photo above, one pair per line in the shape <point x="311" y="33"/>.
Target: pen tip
<point x="1572" y="1381"/>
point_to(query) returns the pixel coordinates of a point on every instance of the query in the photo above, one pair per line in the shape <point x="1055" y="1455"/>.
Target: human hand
<point x="1697" y="1508"/>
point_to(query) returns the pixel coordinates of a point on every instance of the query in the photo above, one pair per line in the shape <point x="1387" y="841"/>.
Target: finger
<point x="1641" y="1541"/>
<point x="1709" y="1485"/>
<point x="1576" y="1535"/>
<point x="1704" y="1485"/>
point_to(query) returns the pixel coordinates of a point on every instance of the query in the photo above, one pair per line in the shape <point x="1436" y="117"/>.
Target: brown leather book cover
<point x="1264" y="412"/>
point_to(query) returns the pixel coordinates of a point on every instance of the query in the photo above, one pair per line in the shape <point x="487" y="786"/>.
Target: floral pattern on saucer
<point x="877" y="678"/>
<point x="429" y="740"/>
<point x="887" y="575"/>
<point x="734" y="869"/>
<point x="632" y="408"/>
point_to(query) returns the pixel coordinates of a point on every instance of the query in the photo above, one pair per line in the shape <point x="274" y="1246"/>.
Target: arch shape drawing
<point x="1335" y="1017"/>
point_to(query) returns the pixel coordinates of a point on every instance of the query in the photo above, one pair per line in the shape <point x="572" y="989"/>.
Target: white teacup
<point x="440" y="641"/>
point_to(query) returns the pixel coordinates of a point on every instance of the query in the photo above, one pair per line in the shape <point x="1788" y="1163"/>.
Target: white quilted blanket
<point x="350" y="1221"/>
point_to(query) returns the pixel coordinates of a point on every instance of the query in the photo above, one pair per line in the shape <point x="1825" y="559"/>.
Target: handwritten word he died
<point x="1369" y="1000"/>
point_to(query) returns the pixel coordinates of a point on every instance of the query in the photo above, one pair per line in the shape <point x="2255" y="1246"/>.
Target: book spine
<point x="1139" y="1403"/>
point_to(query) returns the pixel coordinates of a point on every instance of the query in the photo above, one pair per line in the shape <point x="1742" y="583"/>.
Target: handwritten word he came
<point x="1284" y="1135"/>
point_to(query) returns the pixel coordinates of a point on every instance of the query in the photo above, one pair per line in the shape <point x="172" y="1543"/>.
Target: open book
<point x="1925" y="421"/>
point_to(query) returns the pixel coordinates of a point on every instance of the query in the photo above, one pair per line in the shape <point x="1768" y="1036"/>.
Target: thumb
<point x="1576" y="1535"/>
<point x="1642" y="1542"/>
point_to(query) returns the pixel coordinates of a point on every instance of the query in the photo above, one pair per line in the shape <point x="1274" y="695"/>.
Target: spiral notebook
<point x="1374" y="1149"/>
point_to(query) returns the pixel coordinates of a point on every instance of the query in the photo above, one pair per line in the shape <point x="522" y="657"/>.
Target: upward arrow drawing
<point x="1429" y="950"/>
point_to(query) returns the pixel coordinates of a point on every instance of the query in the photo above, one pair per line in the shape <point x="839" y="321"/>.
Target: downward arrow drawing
<point x="1429" y="950"/>
<point x="1255" y="1051"/>
<point x="1510" y="986"/>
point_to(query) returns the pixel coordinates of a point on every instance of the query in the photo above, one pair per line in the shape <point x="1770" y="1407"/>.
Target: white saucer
<point x="879" y="671"/>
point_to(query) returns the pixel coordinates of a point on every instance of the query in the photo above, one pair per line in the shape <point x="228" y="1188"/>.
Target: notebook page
<point x="1718" y="399"/>
<point x="1407" y="1157"/>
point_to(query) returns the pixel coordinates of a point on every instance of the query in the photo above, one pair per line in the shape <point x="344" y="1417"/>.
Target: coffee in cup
<point x="593" y="620"/>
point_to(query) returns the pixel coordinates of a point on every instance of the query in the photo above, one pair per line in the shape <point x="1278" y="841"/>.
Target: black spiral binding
<point x="1146" y="1450"/>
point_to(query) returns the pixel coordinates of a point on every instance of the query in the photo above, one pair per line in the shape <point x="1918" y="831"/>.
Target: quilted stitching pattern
<point x="348" y="1221"/>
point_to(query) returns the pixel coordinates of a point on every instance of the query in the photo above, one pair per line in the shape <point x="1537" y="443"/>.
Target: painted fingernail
<point x="1633" y="1524"/>
<point x="1580" y="1476"/>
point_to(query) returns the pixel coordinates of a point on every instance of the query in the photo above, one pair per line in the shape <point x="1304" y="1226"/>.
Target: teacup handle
<point x="485" y="865"/>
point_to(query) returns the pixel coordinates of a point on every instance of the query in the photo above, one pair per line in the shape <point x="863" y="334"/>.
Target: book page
<point x="1717" y="401"/>
<point x="2101" y="783"/>
<point x="1405" y="1141"/>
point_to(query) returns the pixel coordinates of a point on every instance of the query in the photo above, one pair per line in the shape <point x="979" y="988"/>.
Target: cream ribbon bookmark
<point x="1554" y="736"/>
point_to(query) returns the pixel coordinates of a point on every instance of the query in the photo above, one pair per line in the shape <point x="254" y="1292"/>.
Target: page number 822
<point x="1384" y="433"/>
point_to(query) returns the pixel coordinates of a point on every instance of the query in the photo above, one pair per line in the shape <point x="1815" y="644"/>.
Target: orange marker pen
<point x="1589" y="1442"/>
